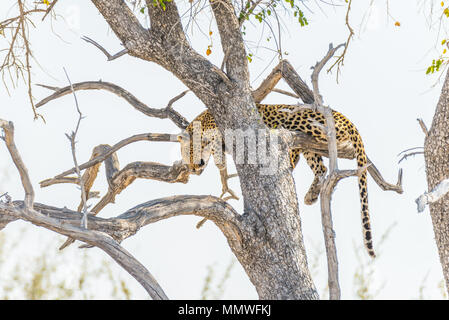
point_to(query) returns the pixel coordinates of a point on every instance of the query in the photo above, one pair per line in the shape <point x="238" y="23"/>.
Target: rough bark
<point x="267" y="237"/>
<point x="436" y="151"/>
<point x="273" y="253"/>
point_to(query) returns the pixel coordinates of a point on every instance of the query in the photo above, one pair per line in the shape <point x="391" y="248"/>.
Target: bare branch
<point x="130" y="222"/>
<point x="94" y="238"/>
<point x="106" y="53"/>
<point x="72" y="139"/>
<point x="139" y="137"/>
<point x="331" y="180"/>
<point x="50" y="7"/>
<point x="329" y="235"/>
<point x="286" y="93"/>
<point x="340" y="60"/>
<point x="16" y="63"/>
<point x="164" y="113"/>
<point x="423" y="126"/>
<point x="407" y="155"/>
<point x="433" y="196"/>
<point x="99" y="239"/>
<point x="318" y="100"/>
<point x="375" y="174"/>
<point x="8" y="128"/>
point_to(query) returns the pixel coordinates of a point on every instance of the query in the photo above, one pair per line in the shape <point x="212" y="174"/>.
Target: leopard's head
<point x="191" y="156"/>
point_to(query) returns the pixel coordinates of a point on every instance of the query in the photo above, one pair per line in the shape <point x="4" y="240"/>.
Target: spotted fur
<point x="304" y="120"/>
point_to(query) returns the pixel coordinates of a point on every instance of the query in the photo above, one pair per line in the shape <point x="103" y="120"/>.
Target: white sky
<point x="382" y="89"/>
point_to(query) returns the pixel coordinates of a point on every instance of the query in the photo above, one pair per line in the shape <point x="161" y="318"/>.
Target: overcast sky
<point x="382" y="88"/>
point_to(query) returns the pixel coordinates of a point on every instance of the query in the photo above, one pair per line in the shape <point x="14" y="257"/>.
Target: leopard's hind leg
<point x="315" y="163"/>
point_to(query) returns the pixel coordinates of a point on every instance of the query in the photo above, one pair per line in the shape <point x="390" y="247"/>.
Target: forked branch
<point x="10" y="211"/>
<point x="167" y="112"/>
<point x="331" y="180"/>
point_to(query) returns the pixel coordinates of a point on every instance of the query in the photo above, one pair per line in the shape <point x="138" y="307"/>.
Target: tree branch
<point x="167" y="112"/>
<point x="331" y="180"/>
<point x="103" y="156"/>
<point x="8" y="128"/>
<point x="109" y="56"/>
<point x="286" y="71"/>
<point x="231" y="40"/>
<point x="433" y="196"/>
<point x="26" y="212"/>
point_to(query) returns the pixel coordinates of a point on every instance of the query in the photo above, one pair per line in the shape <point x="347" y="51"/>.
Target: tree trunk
<point x="436" y="152"/>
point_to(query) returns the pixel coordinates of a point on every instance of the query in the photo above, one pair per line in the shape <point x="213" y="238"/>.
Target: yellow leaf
<point x="208" y="51"/>
<point x="397" y="24"/>
<point x="442" y="3"/>
<point x="443" y="42"/>
<point x="46" y="2"/>
<point x="444" y="51"/>
<point x="210" y="33"/>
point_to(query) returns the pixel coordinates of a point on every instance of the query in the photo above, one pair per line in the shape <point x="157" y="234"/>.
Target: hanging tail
<point x="363" y="190"/>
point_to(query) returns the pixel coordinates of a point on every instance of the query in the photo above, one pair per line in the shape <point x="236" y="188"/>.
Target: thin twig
<point x="138" y="137"/>
<point x="340" y="61"/>
<point x="50" y="7"/>
<point x="423" y="126"/>
<point x="72" y="138"/>
<point x="405" y="156"/>
<point x="106" y="53"/>
<point x="286" y="93"/>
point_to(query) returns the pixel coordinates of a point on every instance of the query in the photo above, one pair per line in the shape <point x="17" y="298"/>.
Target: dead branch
<point x="107" y="153"/>
<point x="341" y="59"/>
<point x="72" y="138"/>
<point x="385" y="186"/>
<point x="167" y="112"/>
<point x="286" y="71"/>
<point x="286" y="93"/>
<point x="318" y="100"/>
<point x="433" y="196"/>
<point x="331" y="180"/>
<point x="50" y="7"/>
<point x="16" y="62"/>
<point x="130" y="222"/>
<point x="423" y="126"/>
<point x="8" y="128"/>
<point x="407" y="155"/>
<point x="326" y="191"/>
<point x="106" y="53"/>
<point x="26" y="212"/>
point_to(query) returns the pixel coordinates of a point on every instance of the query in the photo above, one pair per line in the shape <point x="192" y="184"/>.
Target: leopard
<point x="306" y="120"/>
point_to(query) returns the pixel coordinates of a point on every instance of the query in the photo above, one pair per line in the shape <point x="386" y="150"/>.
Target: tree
<point x="266" y="238"/>
<point x="435" y="152"/>
<point x="436" y="149"/>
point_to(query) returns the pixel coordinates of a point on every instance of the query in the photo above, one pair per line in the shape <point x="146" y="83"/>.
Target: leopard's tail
<point x="363" y="190"/>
